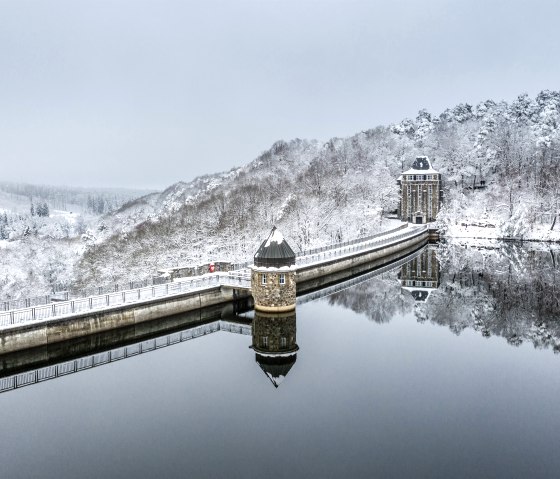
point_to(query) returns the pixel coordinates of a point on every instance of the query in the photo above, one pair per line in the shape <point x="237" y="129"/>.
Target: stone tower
<point x="273" y="275"/>
<point x="421" y="192"/>
<point x="274" y="343"/>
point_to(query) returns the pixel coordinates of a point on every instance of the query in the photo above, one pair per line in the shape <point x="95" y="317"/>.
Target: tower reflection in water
<point x="274" y="343"/>
<point x="421" y="275"/>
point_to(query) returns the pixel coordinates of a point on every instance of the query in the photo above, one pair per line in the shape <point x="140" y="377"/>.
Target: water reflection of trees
<point x="380" y="298"/>
<point x="506" y="290"/>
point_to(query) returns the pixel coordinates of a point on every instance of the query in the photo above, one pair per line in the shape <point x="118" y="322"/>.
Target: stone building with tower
<point x="273" y="275"/>
<point x="421" y="192"/>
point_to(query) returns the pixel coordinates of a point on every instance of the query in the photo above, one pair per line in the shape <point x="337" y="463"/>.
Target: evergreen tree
<point x="42" y="209"/>
<point x="3" y="227"/>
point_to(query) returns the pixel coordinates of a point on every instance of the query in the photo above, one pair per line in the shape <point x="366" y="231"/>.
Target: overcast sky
<point x="142" y="94"/>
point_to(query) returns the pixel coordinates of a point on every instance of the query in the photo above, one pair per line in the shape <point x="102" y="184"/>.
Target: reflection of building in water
<point x="274" y="343"/>
<point x="421" y="275"/>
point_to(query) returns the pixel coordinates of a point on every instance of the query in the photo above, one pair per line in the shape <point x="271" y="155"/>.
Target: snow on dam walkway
<point x="27" y="327"/>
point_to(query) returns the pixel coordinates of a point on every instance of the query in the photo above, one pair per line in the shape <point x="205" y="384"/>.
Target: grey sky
<point x="146" y="93"/>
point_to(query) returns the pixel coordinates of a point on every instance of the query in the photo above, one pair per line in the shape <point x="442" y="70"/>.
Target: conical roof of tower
<point x="275" y="251"/>
<point x="276" y="368"/>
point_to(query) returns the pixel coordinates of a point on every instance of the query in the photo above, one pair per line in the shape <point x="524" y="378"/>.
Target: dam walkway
<point x="234" y="280"/>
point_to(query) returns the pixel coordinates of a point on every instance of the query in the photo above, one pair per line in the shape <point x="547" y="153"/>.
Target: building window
<point x="430" y="199"/>
<point x="264" y="341"/>
<point x="263" y="278"/>
<point x="283" y="342"/>
<point x="282" y="278"/>
<point x="408" y="202"/>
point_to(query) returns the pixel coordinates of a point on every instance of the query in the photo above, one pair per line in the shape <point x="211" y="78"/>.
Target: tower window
<point x="264" y="341"/>
<point x="283" y="342"/>
<point x="263" y="278"/>
<point x="282" y="278"/>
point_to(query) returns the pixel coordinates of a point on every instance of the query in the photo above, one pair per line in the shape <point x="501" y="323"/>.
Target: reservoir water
<point x="445" y="367"/>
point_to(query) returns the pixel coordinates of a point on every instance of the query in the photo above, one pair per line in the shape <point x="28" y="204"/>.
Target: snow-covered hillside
<point x="320" y="193"/>
<point x="42" y="230"/>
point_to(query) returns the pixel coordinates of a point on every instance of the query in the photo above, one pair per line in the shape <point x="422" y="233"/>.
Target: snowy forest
<point x="499" y="162"/>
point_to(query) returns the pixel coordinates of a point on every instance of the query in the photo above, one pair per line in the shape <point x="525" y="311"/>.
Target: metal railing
<point x="348" y="243"/>
<point x="237" y="279"/>
<point x="356" y="247"/>
<point x="106" y="301"/>
<point x="65" y="293"/>
<point x="116" y="354"/>
<point x="323" y="292"/>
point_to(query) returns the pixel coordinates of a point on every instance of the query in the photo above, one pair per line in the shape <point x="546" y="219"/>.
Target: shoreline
<point x="506" y="239"/>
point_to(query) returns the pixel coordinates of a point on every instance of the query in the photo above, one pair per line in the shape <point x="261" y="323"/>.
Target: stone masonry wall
<point x="273" y="296"/>
<point x="420" y="202"/>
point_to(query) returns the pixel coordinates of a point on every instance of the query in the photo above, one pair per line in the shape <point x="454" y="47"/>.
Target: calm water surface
<point x="438" y="369"/>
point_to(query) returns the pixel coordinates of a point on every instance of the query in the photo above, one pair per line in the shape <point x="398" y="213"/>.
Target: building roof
<point x="421" y="165"/>
<point x="275" y="251"/>
<point x="419" y="294"/>
<point x="276" y="367"/>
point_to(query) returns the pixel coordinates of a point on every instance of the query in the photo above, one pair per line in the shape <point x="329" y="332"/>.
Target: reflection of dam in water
<point x="437" y="297"/>
<point x="273" y="339"/>
<point x="116" y="354"/>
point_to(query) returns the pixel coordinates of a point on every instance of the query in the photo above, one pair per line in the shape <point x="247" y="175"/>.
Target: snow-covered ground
<point x="471" y="231"/>
<point x="69" y="216"/>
